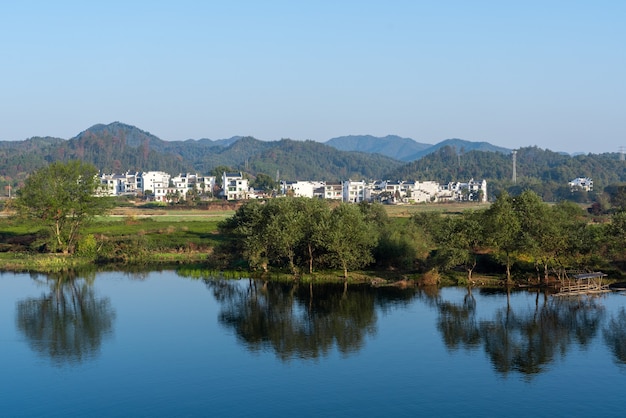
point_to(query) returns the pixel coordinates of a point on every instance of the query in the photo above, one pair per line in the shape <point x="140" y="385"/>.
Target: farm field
<point x="172" y="215"/>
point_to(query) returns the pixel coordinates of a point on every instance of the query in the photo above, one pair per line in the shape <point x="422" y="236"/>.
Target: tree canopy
<point x="302" y="233"/>
<point x="63" y="197"/>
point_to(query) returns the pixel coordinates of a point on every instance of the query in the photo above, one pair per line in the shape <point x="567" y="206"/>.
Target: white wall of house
<point x="333" y="191"/>
<point x="355" y="191"/>
<point x="583" y="183"/>
<point x="235" y="187"/>
<point x="156" y="181"/>
<point x="301" y="188"/>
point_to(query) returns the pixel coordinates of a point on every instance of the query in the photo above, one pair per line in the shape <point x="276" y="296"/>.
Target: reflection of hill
<point x="297" y="321"/>
<point x="523" y="341"/>
<point x="68" y="324"/>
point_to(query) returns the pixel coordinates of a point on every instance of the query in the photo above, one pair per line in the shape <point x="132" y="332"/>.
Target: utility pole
<point x="514" y="152"/>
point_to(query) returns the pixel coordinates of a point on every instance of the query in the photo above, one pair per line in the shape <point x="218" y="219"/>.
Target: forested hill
<point x="310" y="160"/>
<point x="543" y="171"/>
<point x="118" y="147"/>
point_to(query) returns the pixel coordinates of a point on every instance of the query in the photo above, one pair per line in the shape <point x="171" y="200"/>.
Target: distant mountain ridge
<point x="407" y="149"/>
<point x="391" y="145"/>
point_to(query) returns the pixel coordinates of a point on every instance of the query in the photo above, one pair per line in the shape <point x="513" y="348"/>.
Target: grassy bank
<point x="150" y="236"/>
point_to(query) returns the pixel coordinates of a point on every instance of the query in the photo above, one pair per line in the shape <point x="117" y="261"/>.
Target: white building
<point x="118" y="184"/>
<point x="458" y="191"/>
<point x="355" y="191"/>
<point x="234" y="186"/>
<point x="185" y="182"/>
<point x="333" y="191"/>
<point x="423" y="191"/>
<point x="301" y="188"/>
<point x="581" y="183"/>
<point x="156" y="182"/>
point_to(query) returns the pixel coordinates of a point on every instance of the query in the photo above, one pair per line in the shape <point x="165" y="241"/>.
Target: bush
<point x="87" y="246"/>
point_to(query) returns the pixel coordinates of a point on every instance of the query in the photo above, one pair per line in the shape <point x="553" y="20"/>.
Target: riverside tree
<point x="62" y="196"/>
<point x="299" y="233"/>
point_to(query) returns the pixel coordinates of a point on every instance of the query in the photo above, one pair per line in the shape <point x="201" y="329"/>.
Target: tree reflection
<point x="615" y="337"/>
<point x="297" y="321"/>
<point x="527" y="341"/>
<point x="68" y="323"/>
<point x="524" y="341"/>
<point x="457" y="323"/>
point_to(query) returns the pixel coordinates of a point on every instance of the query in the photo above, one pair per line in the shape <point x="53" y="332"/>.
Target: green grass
<point x="173" y="233"/>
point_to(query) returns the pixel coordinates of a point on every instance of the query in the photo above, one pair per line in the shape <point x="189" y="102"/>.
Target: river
<point x="165" y="344"/>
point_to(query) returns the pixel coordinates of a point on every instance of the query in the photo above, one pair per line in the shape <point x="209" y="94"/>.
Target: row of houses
<point x="389" y="191"/>
<point x="161" y="186"/>
<point x="158" y="185"/>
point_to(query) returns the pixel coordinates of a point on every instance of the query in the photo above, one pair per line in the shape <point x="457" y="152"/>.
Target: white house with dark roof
<point x="234" y="186"/>
<point x="156" y="182"/>
<point x="356" y="191"/>
<point x="581" y="183"/>
<point x="301" y="188"/>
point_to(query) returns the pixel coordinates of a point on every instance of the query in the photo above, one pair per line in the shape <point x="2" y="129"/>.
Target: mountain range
<point x="118" y="147"/>
<point x="406" y="149"/>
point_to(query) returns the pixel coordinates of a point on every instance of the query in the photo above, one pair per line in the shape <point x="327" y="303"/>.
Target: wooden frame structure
<point x="585" y="283"/>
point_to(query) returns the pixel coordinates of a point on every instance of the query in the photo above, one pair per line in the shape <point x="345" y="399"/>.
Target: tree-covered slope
<point x="118" y="147"/>
<point x="310" y="160"/>
<point x="544" y="171"/>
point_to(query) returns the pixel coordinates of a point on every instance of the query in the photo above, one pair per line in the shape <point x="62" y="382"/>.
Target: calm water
<point x="159" y="344"/>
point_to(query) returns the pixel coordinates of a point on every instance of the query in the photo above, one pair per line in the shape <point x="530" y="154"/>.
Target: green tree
<point x="502" y="229"/>
<point x="350" y="239"/>
<point x="284" y="220"/>
<point x="455" y="238"/>
<point x="315" y="216"/>
<point x="247" y="230"/>
<point x="62" y="196"/>
<point x="264" y="182"/>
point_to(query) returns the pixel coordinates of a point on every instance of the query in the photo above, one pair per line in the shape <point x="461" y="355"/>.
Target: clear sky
<point x="513" y="73"/>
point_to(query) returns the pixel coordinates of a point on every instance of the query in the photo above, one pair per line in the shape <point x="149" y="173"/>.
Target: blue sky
<point x="513" y="73"/>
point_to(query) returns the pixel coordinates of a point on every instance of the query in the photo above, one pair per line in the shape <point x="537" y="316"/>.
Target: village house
<point x="581" y="183"/>
<point x="234" y="186"/>
<point x="333" y="191"/>
<point x="301" y="188"/>
<point x="356" y="191"/>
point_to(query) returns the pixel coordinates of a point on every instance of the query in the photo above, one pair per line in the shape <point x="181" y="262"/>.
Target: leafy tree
<point x="315" y="216"/>
<point x="350" y="239"/>
<point x="615" y="235"/>
<point x="218" y="172"/>
<point x="248" y="237"/>
<point x="284" y="220"/>
<point x="455" y="238"/>
<point x="502" y="229"/>
<point x="63" y="197"/>
<point x="264" y="182"/>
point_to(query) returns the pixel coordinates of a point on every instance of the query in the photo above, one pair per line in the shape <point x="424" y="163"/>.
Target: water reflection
<point x="524" y="339"/>
<point x="615" y="337"/>
<point x="67" y="323"/>
<point x="296" y="321"/>
<point x="457" y="323"/>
